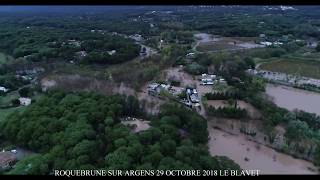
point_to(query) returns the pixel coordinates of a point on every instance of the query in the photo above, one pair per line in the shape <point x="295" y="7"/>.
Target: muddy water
<point x="292" y="98"/>
<point x="260" y="157"/>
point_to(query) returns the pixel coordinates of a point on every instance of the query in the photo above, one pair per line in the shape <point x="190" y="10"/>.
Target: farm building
<point x="25" y="101"/>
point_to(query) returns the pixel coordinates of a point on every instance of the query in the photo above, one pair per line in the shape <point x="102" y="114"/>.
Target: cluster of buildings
<point x="136" y="37"/>
<point x="155" y="89"/>
<point x="33" y="71"/>
<point x="192" y="95"/>
<point x="211" y="79"/>
<point x="267" y="43"/>
<point x="283" y="78"/>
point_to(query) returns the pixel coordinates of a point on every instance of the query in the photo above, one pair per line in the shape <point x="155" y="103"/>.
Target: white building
<point x="112" y="52"/>
<point x="3" y="89"/>
<point x="25" y="101"/>
<point x="266" y="43"/>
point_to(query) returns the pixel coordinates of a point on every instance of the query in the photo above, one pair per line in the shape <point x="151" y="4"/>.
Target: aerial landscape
<point x="159" y="89"/>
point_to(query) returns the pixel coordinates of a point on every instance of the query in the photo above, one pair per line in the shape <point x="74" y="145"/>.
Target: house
<point x="111" y="52"/>
<point x="81" y="54"/>
<point x="3" y="89"/>
<point x="194" y="98"/>
<point x="153" y="89"/>
<point x="143" y="51"/>
<point x="25" y="101"/>
<point x="207" y="79"/>
<point x="7" y="160"/>
<point x="192" y="95"/>
<point x="206" y="82"/>
<point x="190" y="55"/>
<point x="266" y="43"/>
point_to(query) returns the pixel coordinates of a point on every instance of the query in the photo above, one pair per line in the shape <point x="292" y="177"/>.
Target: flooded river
<point x="292" y="98"/>
<point x="251" y="155"/>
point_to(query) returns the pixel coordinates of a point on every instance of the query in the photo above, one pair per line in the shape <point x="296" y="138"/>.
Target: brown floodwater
<point x="293" y="98"/>
<point x="253" y="156"/>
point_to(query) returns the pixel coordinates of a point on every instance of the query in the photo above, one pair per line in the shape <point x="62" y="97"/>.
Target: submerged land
<point x="152" y="87"/>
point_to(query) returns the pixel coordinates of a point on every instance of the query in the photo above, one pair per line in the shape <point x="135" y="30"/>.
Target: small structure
<point x="81" y="54"/>
<point x="74" y="42"/>
<point x="191" y="55"/>
<point x="7" y="160"/>
<point x="221" y="80"/>
<point x="4" y="89"/>
<point x="192" y="95"/>
<point x="277" y="43"/>
<point x="143" y="51"/>
<point x="25" y="101"/>
<point x="112" y="52"/>
<point x="153" y="89"/>
<point x="136" y="37"/>
<point x="207" y="79"/>
<point x="266" y="43"/>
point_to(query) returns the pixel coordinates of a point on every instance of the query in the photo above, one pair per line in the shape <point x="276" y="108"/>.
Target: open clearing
<point x="302" y="68"/>
<point x="5" y="112"/>
<point x="209" y="43"/>
<point x="3" y="58"/>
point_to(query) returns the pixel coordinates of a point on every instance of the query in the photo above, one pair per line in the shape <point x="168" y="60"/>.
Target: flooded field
<point x="292" y="98"/>
<point x="211" y="43"/>
<point x="252" y="111"/>
<point x="251" y="155"/>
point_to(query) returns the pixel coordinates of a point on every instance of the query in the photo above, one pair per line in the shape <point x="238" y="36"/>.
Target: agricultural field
<point x="227" y="43"/>
<point x="302" y="68"/>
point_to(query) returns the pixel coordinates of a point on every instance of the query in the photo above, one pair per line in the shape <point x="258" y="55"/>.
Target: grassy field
<point x="5" y="112"/>
<point x="215" y="46"/>
<point x="224" y="43"/>
<point x="303" y="68"/>
<point x="6" y="100"/>
<point x="3" y="58"/>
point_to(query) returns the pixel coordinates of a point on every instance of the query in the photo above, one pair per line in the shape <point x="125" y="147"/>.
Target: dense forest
<point x="83" y="131"/>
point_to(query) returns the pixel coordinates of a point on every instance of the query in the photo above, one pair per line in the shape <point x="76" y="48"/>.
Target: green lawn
<point x="6" y="100"/>
<point x="5" y="112"/>
<point x="3" y="58"/>
<point x="303" y="68"/>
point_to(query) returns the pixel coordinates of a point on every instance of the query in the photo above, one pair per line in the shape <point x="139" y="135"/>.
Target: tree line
<point x="84" y="131"/>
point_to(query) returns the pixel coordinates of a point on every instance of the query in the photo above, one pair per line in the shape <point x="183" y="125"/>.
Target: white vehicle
<point x="14" y="151"/>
